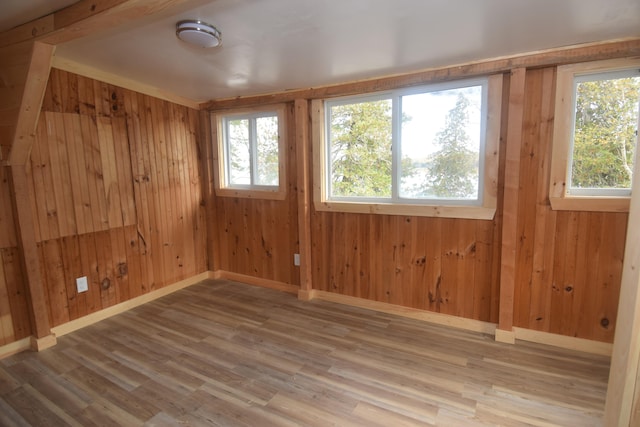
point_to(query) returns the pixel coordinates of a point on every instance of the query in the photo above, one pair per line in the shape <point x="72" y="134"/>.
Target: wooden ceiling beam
<point x="84" y="18"/>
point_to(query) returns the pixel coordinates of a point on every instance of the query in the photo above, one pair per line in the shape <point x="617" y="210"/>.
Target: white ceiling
<point x="275" y="45"/>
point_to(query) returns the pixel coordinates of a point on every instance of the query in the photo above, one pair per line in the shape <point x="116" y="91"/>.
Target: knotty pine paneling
<point x="15" y="322"/>
<point x="116" y="195"/>
<point x="436" y="264"/>
<point x="13" y="75"/>
<point x="568" y="264"/>
<point x="8" y="238"/>
<point x="259" y="237"/>
<point x="449" y="266"/>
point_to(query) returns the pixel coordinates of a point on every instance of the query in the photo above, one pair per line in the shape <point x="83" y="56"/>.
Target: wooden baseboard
<point x="256" y="281"/>
<point x="39" y="344"/>
<point x="92" y="318"/>
<point x="15" y="347"/>
<point x="563" y="341"/>
<point x="508" y="337"/>
<point x="580" y="344"/>
<point x="413" y="313"/>
<point x="306" y="295"/>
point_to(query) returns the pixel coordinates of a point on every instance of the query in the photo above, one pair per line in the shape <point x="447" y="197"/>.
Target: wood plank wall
<point x="15" y="65"/>
<point x="436" y="264"/>
<point x="443" y="265"/>
<point x="568" y="264"/>
<point x="15" y="322"/>
<point x="257" y="237"/>
<point x="116" y="194"/>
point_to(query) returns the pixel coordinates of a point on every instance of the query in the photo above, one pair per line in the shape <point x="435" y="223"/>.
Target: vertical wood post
<point x="304" y="196"/>
<point x="623" y="375"/>
<point x="504" y="333"/>
<point x="41" y="328"/>
<point x="23" y="139"/>
<point x="206" y="143"/>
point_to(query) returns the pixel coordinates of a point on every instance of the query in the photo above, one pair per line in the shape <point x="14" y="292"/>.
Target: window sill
<point x="439" y="211"/>
<point x="251" y="194"/>
<point x="592" y="204"/>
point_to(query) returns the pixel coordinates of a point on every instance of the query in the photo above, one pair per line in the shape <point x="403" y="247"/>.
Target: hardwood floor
<point x="223" y="353"/>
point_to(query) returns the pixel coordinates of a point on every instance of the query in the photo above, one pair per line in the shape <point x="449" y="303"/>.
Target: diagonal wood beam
<point x="27" y="116"/>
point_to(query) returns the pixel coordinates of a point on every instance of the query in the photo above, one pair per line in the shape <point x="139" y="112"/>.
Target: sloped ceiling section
<point x="275" y="45"/>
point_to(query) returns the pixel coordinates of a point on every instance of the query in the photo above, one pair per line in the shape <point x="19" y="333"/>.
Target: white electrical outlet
<point x="82" y="284"/>
<point x="296" y="259"/>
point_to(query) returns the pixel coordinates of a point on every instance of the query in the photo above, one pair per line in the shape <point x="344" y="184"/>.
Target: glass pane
<point x="360" y="144"/>
<point x="267" y="146"/>
<point x="440" y="144"/>
<point x="238" y="151"/>
<point x="605" y="133"/>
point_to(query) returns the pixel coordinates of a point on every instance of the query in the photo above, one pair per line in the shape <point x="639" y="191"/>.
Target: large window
<point x="250" y="153"/>
<point x="430" y="150"/>
<point x="596" y="135"/>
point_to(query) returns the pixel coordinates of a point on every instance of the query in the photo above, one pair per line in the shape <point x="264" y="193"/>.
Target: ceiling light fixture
<point x="198" y="33"/>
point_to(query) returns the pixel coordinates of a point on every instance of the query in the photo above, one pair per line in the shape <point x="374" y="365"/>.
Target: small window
<point x="250" y="153"/>
<point x="597" y="128"/>
<point x="419" y="151"/>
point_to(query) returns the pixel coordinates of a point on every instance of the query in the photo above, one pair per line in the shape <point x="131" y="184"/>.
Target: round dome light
<point x="198" y="33"/>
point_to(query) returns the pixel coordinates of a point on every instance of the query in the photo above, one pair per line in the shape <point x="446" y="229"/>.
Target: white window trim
<point x="221" y="186"/>
<point x="430" y="208"/>
<point x="559" y="197"/>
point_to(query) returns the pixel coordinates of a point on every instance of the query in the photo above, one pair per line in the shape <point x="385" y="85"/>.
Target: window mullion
<point x="227" y="151"/>
<point x="396" y="155"/>
<point x="253" y="150"/>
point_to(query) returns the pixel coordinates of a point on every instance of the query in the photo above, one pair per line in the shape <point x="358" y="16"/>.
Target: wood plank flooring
<point x="224" y="353"/>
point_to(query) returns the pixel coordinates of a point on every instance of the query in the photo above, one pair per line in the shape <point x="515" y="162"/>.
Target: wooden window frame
<point x="559" y="197"/>
<point x="221" y="187"/>
<point x="428" y="208"/>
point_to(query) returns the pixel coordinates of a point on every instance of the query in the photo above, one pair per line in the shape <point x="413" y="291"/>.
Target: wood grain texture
<point x="8" y="236"/>
<point x="116" y="192"/>
<point x="34" y="86"/>
<point x="229" y="354"/>
<point x="16" y="321"/>
<point x="623" y="396"/>
<point x="303" y="190"/>
<point x="511" y="195"/>
<point x="16" y="60"/>
<point x="258" y="237"/>
<point x="568" y="264"/>
<point x="436" y="264"/>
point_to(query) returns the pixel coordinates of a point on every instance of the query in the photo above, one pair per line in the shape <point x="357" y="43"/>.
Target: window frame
<point x="560" y="195"/>
<point x="482" y="208"/>
<point x="222" y="187"/>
